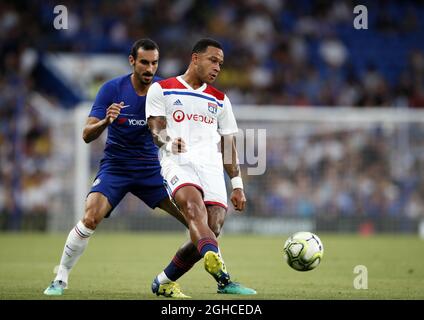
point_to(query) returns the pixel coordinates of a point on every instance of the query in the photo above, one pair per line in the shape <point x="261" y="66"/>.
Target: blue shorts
<point x="146" y="183"/>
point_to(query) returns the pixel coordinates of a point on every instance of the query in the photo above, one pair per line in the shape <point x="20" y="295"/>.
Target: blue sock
<point x="176" y="268"/>
<point x="207" y="244"/>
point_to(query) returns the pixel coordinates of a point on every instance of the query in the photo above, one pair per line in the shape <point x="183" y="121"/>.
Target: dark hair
<point x="145" y="44"/>
<point x="203" y="44"/>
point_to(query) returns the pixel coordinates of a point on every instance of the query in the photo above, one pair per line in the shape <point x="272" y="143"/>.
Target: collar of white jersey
<point x="200" y="89"/>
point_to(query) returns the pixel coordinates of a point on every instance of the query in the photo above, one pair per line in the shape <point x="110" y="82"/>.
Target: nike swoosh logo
<point x="126" y="106"/>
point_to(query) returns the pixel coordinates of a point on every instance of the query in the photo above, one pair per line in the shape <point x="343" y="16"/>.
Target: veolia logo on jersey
<point x="179" y="116"/>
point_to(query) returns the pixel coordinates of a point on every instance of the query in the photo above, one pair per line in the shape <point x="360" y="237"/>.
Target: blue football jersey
<point x="128" y="137"/>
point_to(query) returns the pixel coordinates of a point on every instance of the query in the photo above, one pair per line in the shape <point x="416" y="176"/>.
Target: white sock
<point x="162" y="278"/>
<point x="74" y="247"/>
<point x="219" y="253"/>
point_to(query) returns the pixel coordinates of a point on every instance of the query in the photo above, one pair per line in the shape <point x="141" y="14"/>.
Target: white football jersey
<point x="198" y="116"/>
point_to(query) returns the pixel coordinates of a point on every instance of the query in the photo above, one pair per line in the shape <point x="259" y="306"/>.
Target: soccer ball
<point x="303" y="251"/>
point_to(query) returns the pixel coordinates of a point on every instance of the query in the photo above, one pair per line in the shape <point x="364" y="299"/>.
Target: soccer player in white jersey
<point x="189" y="119"/>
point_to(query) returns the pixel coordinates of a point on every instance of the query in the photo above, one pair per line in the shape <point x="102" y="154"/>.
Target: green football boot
<point x="55" y="289"/>
<point x="235" y="288"/>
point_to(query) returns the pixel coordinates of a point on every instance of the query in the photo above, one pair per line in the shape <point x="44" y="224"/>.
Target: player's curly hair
<point x="146" y="44"/>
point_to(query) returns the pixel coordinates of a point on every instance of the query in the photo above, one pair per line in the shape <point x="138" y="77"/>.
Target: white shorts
<point x="207" y="176"/>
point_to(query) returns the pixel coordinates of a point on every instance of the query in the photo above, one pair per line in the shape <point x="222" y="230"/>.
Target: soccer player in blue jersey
<point x="130" y="162"/>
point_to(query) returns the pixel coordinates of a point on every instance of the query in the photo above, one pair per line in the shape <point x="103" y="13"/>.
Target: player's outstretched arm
<point x="232" y="167"/>
<point x="94" y="126"/>
<point x="157" y="126"/>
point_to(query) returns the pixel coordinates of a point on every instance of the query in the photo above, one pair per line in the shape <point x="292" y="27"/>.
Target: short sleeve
<point x="226" y="121"/>
<point x="103" y="100"/>
<point x="155" y="103"/>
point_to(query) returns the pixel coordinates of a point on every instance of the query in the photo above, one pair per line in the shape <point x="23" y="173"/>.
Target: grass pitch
<point x="122" y="266"/>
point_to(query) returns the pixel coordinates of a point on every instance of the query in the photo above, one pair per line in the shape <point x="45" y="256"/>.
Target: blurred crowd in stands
<point x="277" y="52"/>
<point x="356" y="172"/>
<point x="304" y="52"/>
<point x="25" y="149"/>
